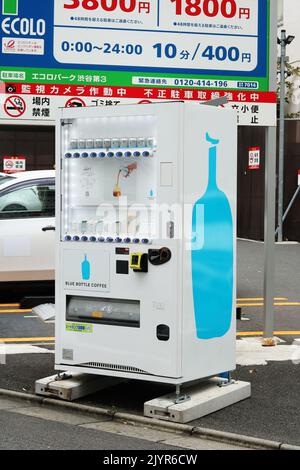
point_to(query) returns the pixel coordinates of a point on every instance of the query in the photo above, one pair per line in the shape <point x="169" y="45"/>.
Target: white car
<point x="27" y="211"/>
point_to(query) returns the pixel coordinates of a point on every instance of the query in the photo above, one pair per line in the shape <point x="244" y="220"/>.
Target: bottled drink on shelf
<point x="115" y="143"/>
<point x="73" y="144"/>
<point x="106" y="143"/>
<point x="132" y="142"/>
<point x="90" y="143"/>
<point x="98" y="143"/>
<point x="141" y="142"/>
<point x="150" y="142"/>
<point x="124" y="142"/>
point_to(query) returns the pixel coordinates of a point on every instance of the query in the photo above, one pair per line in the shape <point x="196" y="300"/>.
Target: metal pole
<point x="289" y="206"/>
<point x="281" y="134"/>
<point x="269" y="248"/>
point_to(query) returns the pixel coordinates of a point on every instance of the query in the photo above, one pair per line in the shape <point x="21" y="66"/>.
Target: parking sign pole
<point x="269" y="246"/>
<point x="270" y="190"/>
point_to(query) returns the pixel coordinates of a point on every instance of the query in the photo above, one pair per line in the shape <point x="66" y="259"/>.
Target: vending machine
<point x="146" y="250"/>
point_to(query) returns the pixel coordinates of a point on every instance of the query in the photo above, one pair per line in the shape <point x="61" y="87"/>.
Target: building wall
<point x="36" y="143"/>
<point x="250" y="221"/>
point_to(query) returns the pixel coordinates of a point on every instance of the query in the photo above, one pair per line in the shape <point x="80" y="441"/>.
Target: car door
<point x="26" y="251"/>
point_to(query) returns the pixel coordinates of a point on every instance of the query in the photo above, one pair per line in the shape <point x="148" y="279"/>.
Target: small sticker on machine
<point x="79" y="327"/>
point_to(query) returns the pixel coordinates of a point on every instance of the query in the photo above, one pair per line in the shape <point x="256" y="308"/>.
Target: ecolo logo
<point x="13" y="24"/>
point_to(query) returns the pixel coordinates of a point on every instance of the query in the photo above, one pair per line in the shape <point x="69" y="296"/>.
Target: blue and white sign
<point x="107" y="52"/>
<point x="227" y="38"/>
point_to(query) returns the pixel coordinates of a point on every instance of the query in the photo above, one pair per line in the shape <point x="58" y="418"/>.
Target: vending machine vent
<point x="118" y="367"/>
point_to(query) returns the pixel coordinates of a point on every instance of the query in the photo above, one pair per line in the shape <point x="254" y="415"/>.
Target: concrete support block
<point x="205" y="398"/>
<point x="72" y="385"/>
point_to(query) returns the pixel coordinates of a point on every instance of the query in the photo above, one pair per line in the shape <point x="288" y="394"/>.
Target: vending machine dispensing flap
<point x="121" y="312"/>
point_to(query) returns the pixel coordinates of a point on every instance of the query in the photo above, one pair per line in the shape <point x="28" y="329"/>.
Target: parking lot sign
<point x="113" y="51"/>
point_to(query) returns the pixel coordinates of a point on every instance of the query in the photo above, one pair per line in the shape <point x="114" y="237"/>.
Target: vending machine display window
<point x="108" y="163"/>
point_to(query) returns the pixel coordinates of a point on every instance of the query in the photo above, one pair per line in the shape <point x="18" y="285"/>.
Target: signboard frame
<point x="167" y="84"/>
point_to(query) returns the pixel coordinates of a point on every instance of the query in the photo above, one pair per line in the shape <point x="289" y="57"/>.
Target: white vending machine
<point x="146" y="250"/>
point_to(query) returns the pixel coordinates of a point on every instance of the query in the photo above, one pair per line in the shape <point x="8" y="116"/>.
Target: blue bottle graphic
<point x="86" y="269"/>
<point x="212" y="262"/>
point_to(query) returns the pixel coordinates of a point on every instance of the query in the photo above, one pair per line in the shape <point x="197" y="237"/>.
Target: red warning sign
<point x="254" y="158"/>
<point x="15" y="106"/>
<point x="14" y="164"/>
<point x="75" y="103"/>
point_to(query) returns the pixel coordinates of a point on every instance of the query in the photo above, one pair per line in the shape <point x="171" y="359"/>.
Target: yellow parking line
<point x="250" y="305"/>
<point x="25" y="340"/>
<point x="16" y="311"/>
<point x="258" y="298"/>
<point x="276" y="304"/>
<point x="52" y="339"/>
<point x="9" y="305"/>
<point x="260" y="333"/>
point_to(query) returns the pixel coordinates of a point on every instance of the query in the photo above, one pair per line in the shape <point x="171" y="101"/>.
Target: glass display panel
<point x="109" y="178"/>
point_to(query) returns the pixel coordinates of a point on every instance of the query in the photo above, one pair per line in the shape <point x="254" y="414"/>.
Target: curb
<point x="204" y="433"/>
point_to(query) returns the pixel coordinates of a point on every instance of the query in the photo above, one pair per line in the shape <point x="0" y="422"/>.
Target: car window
<point x="28" y="200"/>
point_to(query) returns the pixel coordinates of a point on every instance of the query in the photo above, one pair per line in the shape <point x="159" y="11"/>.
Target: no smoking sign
<point x="15" y="106"/>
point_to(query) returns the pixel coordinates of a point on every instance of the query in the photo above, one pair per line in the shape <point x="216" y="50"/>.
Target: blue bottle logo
<point x="212" y="259"/>
<point x="85" y="269"/>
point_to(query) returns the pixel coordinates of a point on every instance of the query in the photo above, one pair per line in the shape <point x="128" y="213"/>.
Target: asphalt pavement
<point x="273" y="410"/>
<point x="25" y="426"/>
<point x="250" y="274"/>
<point x="19" y="432"/>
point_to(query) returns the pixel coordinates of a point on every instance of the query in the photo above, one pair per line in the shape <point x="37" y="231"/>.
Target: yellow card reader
<point x="139" y="262"/>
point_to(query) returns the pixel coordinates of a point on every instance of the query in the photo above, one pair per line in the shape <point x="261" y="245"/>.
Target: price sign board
<point x="177" y="36"/>
<point x="154" y="44"/>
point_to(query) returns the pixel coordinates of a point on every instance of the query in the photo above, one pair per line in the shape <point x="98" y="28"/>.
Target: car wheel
<point x="14" y="208"/>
